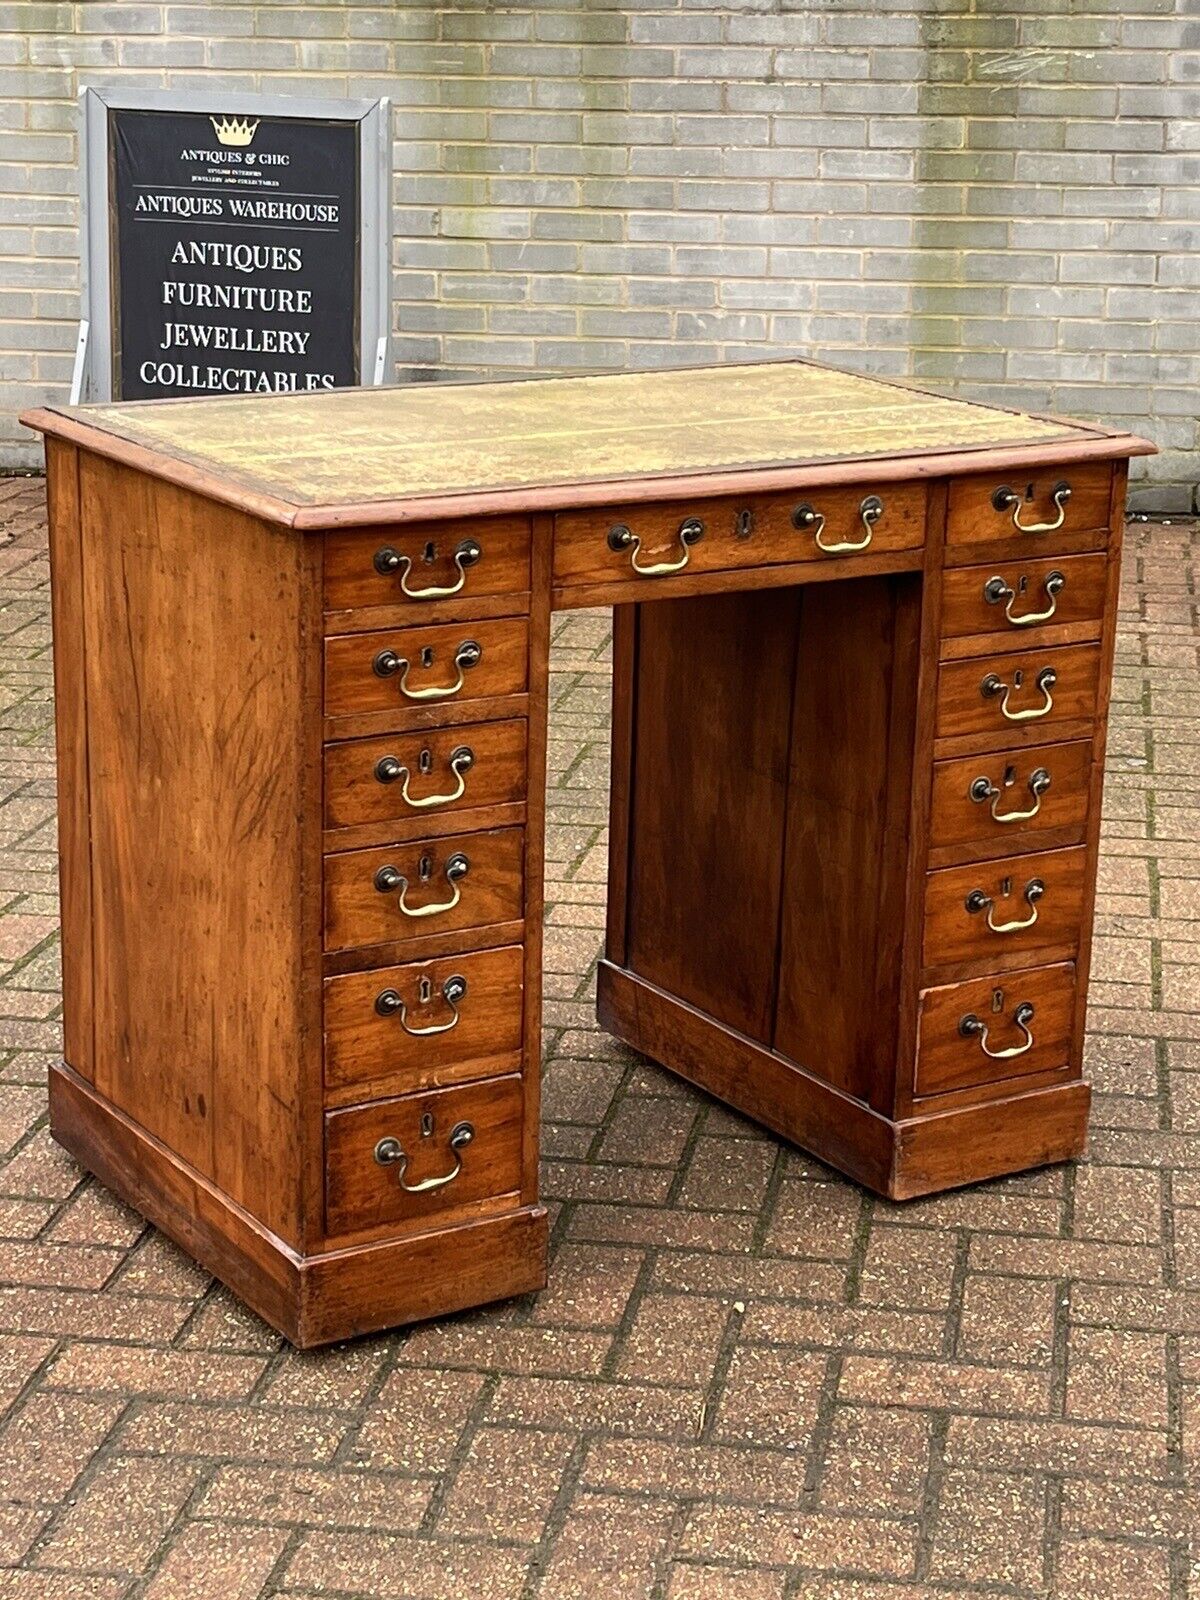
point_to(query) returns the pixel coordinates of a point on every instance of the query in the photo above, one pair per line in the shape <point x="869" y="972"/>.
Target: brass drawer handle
<point x="387" y="663"/>
<point x="389" y="880"/>
<point x="993" y="685"/>
<point x="978" y="901"/>
<point x="388" y="1003"/>
<point x="984" y="789"/>
<point x="389" y="561"/>
<point x="995" y="590"/>
<point x="805" y="517"/>
<point x="391" y="1153"/>
<point x="972" y="1028"/>
<point x="389" y="770"/>
<point x="1005" y="499"/>
<point x="621" y="537"/>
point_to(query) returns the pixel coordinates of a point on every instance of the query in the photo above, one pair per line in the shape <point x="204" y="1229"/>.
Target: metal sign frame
<point x="93" y="373"/>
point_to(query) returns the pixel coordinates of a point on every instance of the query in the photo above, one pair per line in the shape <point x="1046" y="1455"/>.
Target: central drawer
<point x="430" y="773"/>
<point x="632" y="542"/>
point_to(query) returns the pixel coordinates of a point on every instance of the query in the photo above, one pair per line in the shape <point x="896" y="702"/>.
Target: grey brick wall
<point x="1002" y="199"/>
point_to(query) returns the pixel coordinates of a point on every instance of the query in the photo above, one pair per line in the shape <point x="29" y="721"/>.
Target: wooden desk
<point x="301" y="663"/>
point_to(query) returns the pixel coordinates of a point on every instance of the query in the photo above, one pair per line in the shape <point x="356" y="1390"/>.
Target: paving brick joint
<point x="1001" y="199"/>
<point x="747" y="1379"/>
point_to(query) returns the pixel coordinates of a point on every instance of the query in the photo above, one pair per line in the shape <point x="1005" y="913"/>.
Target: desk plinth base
<point x="899" y="1160"/>
<point x="314" y="1299"/>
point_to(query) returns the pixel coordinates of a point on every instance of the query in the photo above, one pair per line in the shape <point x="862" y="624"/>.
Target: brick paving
<point x="747" y="1380"/>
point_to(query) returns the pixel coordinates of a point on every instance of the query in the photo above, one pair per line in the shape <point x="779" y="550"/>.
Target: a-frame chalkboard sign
<point x="232" y="244"/>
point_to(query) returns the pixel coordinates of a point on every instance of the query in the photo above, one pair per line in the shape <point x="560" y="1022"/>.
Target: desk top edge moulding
<point x="301" y="663"/>
<point x="546" y="443"/>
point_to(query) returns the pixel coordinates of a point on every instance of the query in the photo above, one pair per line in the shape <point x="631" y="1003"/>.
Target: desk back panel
<point x="771" y="765"/>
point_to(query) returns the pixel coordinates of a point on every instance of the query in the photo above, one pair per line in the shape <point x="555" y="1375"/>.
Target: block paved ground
<point x="747" y="1381"/>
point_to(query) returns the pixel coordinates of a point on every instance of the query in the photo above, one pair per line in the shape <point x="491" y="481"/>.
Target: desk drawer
<point x="429" y="886"/>
<point x="404" y="668"/>
<point x="421" y="563"/>
<point x="992" y="911"/>
<point x="656" y="541"/>
<point x="1009" y="693"/>
<point x="1004" y="794"/>
<point x="431" y="772"/>
<point x="1025" y="595"/>
<point x="463" y="1144"/>
<point x="424" y="1023"/>
<point x="1033" y="509"/>
<point x="990" y="1029"/>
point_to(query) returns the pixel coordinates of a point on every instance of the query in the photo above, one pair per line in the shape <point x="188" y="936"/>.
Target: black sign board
<point x="235" y="253"/>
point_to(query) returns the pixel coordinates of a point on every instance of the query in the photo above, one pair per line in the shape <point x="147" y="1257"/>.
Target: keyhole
<point x="1023" y="583"/>
<point x="425" y="869"/>
<point x="1010" y="777"/>
<point x="427" y="1124"/>
<point x="1029" y="491"/>
<point x="744" y="524"/>
<point x="425" y="991"/>
<point x="430" y="554"/>
<point x="426" y="656"/>
<point x="1006" y="888"/>
<point x="1018" y="677"/>
<point x="425" y="763"/>
<point x="997" y="1000"/>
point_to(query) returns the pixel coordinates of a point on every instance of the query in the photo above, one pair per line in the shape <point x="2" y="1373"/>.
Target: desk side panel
<point x="70" y="711"/>
<point x="201" y="780"/>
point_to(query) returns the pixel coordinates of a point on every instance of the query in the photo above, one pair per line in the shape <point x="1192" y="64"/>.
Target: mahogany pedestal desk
<point x="301" y="666"/>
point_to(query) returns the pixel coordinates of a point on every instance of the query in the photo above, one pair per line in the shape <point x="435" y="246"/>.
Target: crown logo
<point x="232" y="131"/>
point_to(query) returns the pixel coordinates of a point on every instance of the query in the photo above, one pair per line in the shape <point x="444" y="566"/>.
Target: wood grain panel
<point x="965" y="706"/>
<point x="355" y="793"/>
<point x="362" y="1196"/>
<point x="955" y="934"/>
<point x="755" y="530"/>
<point x="713" y="707"/>
<point x="393" y="670"/>
<point x="360" y="908"/>
<point x="848" y="811"/>
<point x="950" y="1058"/>
<point x="200" y="766"/>
<point x="974" y="519"/>
<point x="352" y="578"/>
<point x="1079" y="599"/>
<point x="368" y="1054"/>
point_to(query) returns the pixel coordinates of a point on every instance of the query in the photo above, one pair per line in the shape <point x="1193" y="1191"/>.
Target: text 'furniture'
<point x="301" y="664"/>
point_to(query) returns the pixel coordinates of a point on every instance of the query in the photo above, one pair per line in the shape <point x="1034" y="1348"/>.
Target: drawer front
<point x="415" y="564"/>
<point x="990" y="911"/>
<point x="1006" y="794"/>
<point x="434" y="771"/>
<point x="656" y="541"/>
<point x="409" y="891"/>
<point x="998" y="694"/>
<point x="990" y="1029"/>
<point x="401" y="669"/>
<point x="1031" y="508"/>
<point x="1024" y="596"/>
<point x="424" y="1023"/>
<point x="463" y="1145"/>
